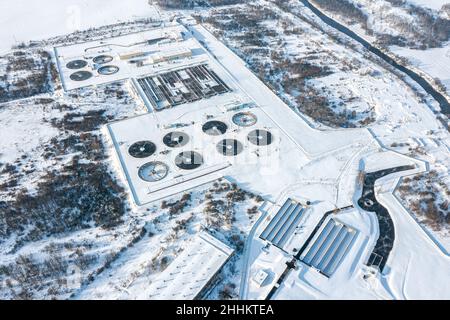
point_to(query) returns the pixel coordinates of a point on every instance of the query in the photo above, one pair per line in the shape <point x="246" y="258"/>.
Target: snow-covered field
<point x="432" y="4"/>
<point x="434" y="62"/>
<point x="23" y="20"/>
<point x="393" y="23"/>
<point x="33" y="150"/>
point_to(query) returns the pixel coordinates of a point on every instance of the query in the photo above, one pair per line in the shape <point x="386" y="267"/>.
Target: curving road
<point x="440" y="98"/>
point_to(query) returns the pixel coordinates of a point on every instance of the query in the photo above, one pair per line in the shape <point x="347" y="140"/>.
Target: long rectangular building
<point x="192" y="271"/>
<point x="283" y="224"/>
<point x="182" y="86"/>
<point x="329" y="247"/>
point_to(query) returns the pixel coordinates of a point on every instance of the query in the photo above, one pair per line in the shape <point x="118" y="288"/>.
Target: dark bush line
<point x="189" y="4"/>
<point x="346" y="8"/>
<point x="81" y="122"/>
<point x="178" y="206"/>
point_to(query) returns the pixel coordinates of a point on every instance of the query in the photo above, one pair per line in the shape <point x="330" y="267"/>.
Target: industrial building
<point x="188" y="277"/>
<point x="329" y="247"/>
<point x="283" y="224"/>
<point x="169" y="55"/>
<point x="181" y="86"/>
<point x="126" y="57"/>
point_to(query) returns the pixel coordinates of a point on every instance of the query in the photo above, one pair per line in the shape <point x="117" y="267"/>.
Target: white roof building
<point x="192" y="270"/>
<point x="169" y="55"/>
<point x="260" y="277"/>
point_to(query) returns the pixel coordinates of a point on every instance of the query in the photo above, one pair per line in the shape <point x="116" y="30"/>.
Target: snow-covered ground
<point x="399" y="121"/>
<point x="169" y="233"/>
<point x="32" y="148"/>
<point x="321" y="168"/>
<point x="384" y="18"/>
<point x="432" y="4"/>
<point x="22" y="20"/>
<point x="434" y="62"/>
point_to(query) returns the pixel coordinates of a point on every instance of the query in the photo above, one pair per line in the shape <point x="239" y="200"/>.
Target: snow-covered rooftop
<point x="191" y="271"/>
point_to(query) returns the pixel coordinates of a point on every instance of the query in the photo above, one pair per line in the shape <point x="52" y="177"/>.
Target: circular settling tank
<point x="229" y="147"/>
<point x="108" y="70"/>
<point x="102" y="59"/>
<point x="176" y="139"/>
<point x="245" y="119"/>
<point x="142" y="149"/>
<point x="76" y="64"/>
<point x="153" y="171"/>
<point x="81" y="76"/>
<point x="260" y="137"/>
<point x="215" y="128"/>
<point x="189" y="160"/>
